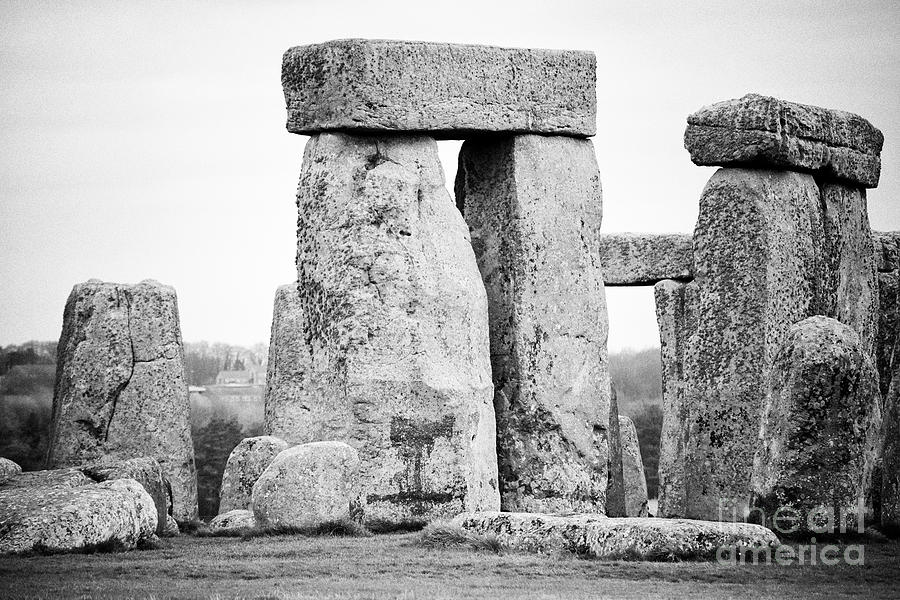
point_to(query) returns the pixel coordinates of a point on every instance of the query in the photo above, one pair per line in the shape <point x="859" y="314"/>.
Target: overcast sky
<point x="147" y="140"/>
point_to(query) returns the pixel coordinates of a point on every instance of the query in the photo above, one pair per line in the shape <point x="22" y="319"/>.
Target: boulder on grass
<point x="308" y="485"/>
<point x="245" y="464"/>
<point x="66" y="512"/>
<point x="595" y="536"/>
<point x="144" y="470"/>
<point x="233" y="519"/>
<point x="8" y="469"/>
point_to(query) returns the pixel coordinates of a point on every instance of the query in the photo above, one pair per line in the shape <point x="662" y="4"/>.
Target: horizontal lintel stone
<point x="446" y="90"/>
<point x="645" y="258"/>
<point x="765" y="132"/>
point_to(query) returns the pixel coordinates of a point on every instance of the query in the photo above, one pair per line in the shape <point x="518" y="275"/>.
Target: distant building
<point x="246" y="377"/>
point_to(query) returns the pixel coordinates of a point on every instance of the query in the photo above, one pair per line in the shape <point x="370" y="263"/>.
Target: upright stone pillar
<point x="771" y="248"/>
<point x="384" y="342"/>
<point x="675" y="315"/>
<point x="533" y="205"/>
<point x="120" y="389"/>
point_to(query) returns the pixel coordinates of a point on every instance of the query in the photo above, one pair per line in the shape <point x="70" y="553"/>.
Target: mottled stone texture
<point x="645" y="258"/>
<point x="385" y="346"/>
<point x="761" y="131"/>
<point x="632" y="470"/>
<point x="146" y="471"/>
<point x="245" y="464"/>
<point x="599" y="537"/>
<point x="8" y="469"/>
<point x="676" y="317"/>
<point x="820" y="424"/>
<point x="615" y="484"/>
<point x="64" y="511"/>
<point x="888" y="362"/>
<point x="308" y="485"/>
<point x="233" y="520"/>
<point x="756" y="255"/>
<point x="533" y="205"/>
<point x="120" y="385"/>
<point x="448" y="90"/>
<point x="850" y="285"/>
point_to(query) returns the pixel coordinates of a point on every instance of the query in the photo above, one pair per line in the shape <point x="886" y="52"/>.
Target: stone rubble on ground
<point x="236" y="519"/>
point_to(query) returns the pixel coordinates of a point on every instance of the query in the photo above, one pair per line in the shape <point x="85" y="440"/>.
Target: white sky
<point x="147" y="140"/>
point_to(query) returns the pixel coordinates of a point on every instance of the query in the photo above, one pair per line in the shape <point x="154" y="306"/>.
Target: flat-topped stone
<point x="767" y="132"/>
<point x="646" y="258"/>
<point x="448" y="90"/>
<point x="596" y="536"/>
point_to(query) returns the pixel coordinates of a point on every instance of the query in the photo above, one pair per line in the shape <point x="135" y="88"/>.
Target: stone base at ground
<point x="245" y="464"/>
<point x="64" y="511"/>
<point x="233" y="519"/>
<point x="8" y="469"/>
<point x="145" y="471"/>
<point x="596" y="536"/>
<point x="309" y="485"/>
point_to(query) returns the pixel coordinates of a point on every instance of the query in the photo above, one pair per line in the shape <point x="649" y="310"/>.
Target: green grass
<point x="398" y="566"/>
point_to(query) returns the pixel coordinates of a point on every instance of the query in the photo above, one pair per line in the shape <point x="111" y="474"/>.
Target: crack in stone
<point x="117" y="392"/>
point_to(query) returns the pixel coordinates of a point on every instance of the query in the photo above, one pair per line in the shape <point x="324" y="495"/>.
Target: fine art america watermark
<point x="788" y="521"/>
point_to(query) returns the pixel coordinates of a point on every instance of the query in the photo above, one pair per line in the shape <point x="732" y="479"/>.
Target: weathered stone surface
<point x="632" y="470"/>
<point x="533" y="205"/>
<point x="450" y="90"/>
<point x="120" y="390"/>
<point x="146" y="471"/>
<point x="761" y="131"/>
<point x="890" y="450"/>
<point x="596" y="536"/>
<point x="308" y="485"/>
<point x="886" y="355"/>
<point x="234" y="519"/>
<point x="171" y="528"/>
<point x="676" y="317"/>
<point x="61" y="511"/>
<point x="245" y="464"/>
<point x="756" y="255"/>
<point x="646" y="258"/>
<point x="820" y="424"/>
<point x="850" y="286"/>
<point x="887" y="250"/>
<point x="392" y="322"/>
<point x="8" y="469"/>
<point x="615" y="484"/>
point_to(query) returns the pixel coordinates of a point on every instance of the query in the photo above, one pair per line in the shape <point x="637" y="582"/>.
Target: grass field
<point x="395" y="566"/>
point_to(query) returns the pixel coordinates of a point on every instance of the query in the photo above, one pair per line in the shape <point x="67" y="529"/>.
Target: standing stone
<point x="851" y="278"/>
<point x="676" y="316"/>
<point x="448" y="90"/>
<point x="887" y="357"/>
<point x="245" y="464"/>
<point x="756" y="249"/>
<point x="615" y="485"/>
<point x="533" y="205"/>
<point x="120" y="385"/>
<point x="389" y="329"/>
<point x="633" y="470"/>
<point x="820" y="425"/>
<point x="308" y="485"/>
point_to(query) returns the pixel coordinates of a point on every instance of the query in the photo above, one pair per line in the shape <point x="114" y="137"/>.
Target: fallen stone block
<point x="765" y="132"/>
<point x="309" y="485"/>
<point x="245" y="464"/>
<point x="820" y="429"/>
<point x="446" y="90"/>
<point x="64" y="511"/>
<point x="646" y="258"/>
<point x="233" y="520"/>
<point x="632" y="470"/>
<point x="121" y="391"/>
<point x="596" y="536"/>
<point x="533" y="205"/>
<point x="385" y="344"/>
<point x="145" y="471"/>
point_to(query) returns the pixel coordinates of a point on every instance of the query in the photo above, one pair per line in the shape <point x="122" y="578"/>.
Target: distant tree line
<point x="203" y="361"/>
<point x="29" y="353"/>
